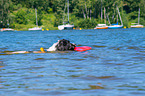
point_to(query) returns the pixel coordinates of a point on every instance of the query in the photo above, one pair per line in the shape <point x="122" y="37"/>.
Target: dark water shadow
<point x="43" y="59"/>
<point x="46" y="92"/>
<point x="99" y="46"/>
<point x="91" y="87"/>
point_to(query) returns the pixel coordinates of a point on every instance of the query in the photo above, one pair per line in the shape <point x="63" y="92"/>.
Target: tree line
<point x="83" y="13"/>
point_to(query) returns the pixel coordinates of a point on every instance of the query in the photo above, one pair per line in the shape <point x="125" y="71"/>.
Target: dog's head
<point x="65" y="45"/>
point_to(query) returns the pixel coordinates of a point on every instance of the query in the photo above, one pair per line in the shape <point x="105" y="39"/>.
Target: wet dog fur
<point x="62" y="45"/>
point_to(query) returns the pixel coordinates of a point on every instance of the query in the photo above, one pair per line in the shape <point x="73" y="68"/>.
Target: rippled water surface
<point x="115" y="66"/>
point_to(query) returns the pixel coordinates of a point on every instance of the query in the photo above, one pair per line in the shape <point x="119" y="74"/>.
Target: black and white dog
<point x="62" y="45"/>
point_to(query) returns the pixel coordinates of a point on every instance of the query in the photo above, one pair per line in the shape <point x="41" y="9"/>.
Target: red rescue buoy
<point x="83" y="48"/>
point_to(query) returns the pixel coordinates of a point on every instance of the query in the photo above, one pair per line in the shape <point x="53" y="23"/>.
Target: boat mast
<point x="101" y="10"/>
<point x="68" y="10"/>
<point x="108" y="19"/>
<point x="36" y="17"/>
<point x="119" y="16"/>
<point x="64" y="12"/>
<point x="105" y="15"/>
<point x="138" y="15"/>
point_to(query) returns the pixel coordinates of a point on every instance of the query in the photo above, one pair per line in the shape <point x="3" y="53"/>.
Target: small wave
<point x="78" y="59"/>
<point x="91" y="87"/>
<point x="39" y="59"/>
<point x="133" y="47"/>
<point x="98" y="46"/>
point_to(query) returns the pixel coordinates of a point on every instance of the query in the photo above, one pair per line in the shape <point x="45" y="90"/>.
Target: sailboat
<point x="116" y="26"/>
<point x="35" y="28"/>
<point x="66" y="26"/>
<point x="137" y="25"/>
<point x="102" y="26"/>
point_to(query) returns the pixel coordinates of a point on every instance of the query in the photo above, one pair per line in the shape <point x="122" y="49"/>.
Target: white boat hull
<point x="101" y="26"/>
<point x="67" y="27"/>
<point x="35" y="29"/>
<point x="136" y="26"/>
<point x="7" y="29"/>
<point x="115" y="26"/>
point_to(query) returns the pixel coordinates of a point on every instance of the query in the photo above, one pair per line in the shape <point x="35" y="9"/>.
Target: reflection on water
<point x="114" y="65"/>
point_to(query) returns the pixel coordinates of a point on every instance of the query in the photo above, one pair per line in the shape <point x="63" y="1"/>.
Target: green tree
<point x="87" y="23"/>
<point x="4" y="12"/>
<point x="22" y="11"/>
<point x="21" y="16"/>
<point x="142" y="8"/>
<point x="60" y="6"/>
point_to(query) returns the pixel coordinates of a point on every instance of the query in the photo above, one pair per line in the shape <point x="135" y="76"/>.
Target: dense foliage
<point x="20" y="14"/>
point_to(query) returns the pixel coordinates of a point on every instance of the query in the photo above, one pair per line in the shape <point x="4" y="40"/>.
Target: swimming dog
<point x="62" y="45"/>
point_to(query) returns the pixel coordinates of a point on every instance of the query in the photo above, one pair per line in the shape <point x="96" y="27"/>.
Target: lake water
<point x="115" y="66"/>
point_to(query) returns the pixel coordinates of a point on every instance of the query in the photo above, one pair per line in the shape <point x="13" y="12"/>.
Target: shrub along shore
<point x="85" y="14"/>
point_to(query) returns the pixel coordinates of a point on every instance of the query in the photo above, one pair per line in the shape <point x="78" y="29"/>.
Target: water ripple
<point x="115" y="65"/>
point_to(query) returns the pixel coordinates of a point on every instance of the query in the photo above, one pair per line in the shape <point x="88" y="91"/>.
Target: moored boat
<point x="35" y="28"/>
<point x="66" y="26"/>
<point x="7" y="29"/>
<point x="116" y="26"/>
<point x="101" y="26"/>
<point x="137" y="25"/>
